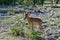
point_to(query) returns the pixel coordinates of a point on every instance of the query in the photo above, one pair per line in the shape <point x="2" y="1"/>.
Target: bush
<point x="17" y="30"/>
<point x="34" y="35"/>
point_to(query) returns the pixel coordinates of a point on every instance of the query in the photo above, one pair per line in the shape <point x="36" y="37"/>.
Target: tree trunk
<point x="52" y="2"/>
<point x="33" y="3"/>
<point x="57" y="1"/>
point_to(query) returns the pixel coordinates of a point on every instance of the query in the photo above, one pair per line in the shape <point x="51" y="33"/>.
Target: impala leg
<point x="40" y="26"/>
<point x="43" y="30"/>
<point x="31" y="26"/>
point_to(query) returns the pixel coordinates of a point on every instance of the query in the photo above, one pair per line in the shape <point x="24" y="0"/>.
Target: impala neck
<point x="28" y="19"/>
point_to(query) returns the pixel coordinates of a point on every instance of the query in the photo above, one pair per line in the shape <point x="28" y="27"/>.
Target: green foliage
<point x="33" y="34"/>
<point x="17" y="30"/>
<point x="20" y="1"/>
<point x="42" y="1"/>
<point x="27" y="2"/>
<point x="38" y="2"/>
<point x="7" y="1"/>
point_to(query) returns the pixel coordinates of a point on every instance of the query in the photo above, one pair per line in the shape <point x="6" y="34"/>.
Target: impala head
<point x="26" y="15"/>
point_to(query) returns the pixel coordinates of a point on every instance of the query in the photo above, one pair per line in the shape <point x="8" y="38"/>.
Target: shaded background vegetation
<point x="27" y="2"/>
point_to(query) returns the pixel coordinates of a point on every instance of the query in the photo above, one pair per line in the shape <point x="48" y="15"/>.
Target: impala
<point x="32" y="21"/>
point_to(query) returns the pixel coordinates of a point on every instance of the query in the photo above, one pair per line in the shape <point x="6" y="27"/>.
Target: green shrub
<point x="17" y="30"/>
<point x="34" y="35"/>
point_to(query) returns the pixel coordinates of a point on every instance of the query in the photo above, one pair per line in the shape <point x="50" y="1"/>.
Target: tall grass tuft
<point x="17" y="30"/>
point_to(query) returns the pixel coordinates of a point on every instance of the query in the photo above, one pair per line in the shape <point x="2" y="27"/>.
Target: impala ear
<point x="24" y="13"/>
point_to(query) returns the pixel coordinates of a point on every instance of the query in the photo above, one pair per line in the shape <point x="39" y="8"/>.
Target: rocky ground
<point x="51" y="24"/>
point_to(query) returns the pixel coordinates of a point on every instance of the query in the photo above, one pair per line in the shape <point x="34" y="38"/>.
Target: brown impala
<point x="32" y="21"/>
